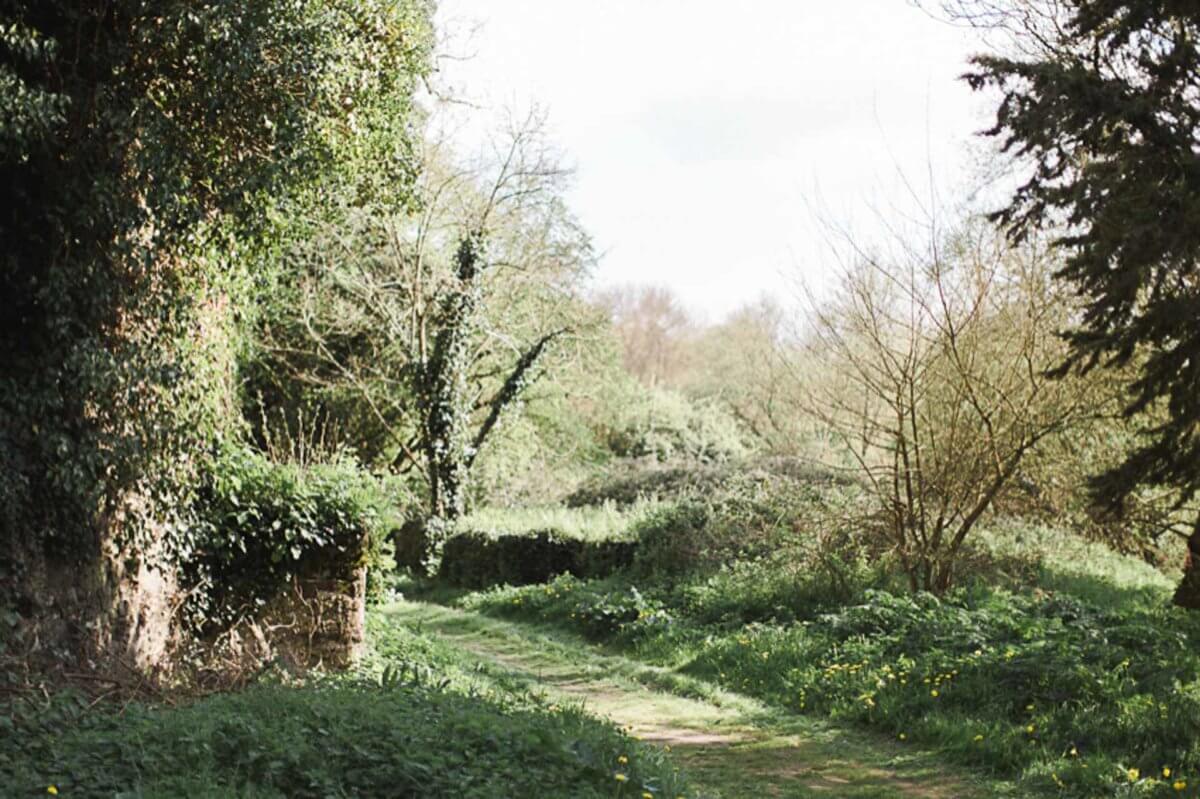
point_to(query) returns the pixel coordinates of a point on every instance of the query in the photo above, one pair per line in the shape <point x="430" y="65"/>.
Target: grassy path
<point x="732" y="746"/>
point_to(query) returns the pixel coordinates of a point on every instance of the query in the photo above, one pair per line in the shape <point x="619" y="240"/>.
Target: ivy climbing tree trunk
<point x="444" y="393"/>
<point x="142" y="148"/>
<point x="443" y="387"/>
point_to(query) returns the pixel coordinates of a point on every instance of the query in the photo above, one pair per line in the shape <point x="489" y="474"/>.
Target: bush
<point x="753" y="515"/>
<point x="665" y="425"/>
<point x="478" y="560"/>
<point x="259" y="524"/>
<point x="632" y="482"/>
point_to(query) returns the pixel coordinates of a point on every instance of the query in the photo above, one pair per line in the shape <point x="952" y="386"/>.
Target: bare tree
<point x="655" y="331"/>
<point x="742" y="363"/>
<point x="936" y="361"/>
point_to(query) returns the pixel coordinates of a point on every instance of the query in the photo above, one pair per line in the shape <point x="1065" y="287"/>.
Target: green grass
<point x="419" y="719"/>
<point x="593" y="523"/>
<point x="1086" y="684"/>
<point x="731" y="745"/>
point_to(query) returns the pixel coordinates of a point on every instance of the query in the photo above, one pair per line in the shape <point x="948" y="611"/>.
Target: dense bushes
<point x="627" y="483"/>
<point x="752" y="515"/>
<point x="261" y="523"/>
<point x="665" y="425"/>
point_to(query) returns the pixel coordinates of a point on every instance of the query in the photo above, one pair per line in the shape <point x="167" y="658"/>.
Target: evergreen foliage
<point x="141" y="150"/>
<point x="1104" y="109"/>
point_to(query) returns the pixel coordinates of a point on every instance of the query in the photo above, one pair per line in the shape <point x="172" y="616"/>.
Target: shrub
<point x="665" y="425"/>
<point x="259" y="524"/>
<point x="477" y="560"/>
<point x="631" y="482"/>
<point x="752" y="515"/>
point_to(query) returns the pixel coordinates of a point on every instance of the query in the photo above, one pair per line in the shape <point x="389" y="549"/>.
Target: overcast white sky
<point x="705" y="133"/>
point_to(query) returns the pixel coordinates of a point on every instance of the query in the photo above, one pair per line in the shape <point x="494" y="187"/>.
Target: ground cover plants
<point x="1087" y="686"/>
<point x="417" y="718"/>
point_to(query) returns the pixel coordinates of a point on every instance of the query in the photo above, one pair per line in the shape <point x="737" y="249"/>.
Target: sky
<point x="710" y="139"/>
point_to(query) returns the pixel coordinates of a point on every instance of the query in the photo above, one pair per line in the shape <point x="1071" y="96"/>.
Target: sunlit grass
<point x="591" y="523"/>
<point x="1068" y="684"/>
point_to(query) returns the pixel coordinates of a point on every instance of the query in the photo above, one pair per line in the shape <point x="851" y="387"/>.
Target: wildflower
<point x="53" y="791"/>
<point x="1133" y="774"/>
<point x="1179" y="785"/>
<point x="622" y="760"/>
<point x="1074" y="752"/>
<point x="1031" y="729"/>
<point x="978" y="738"/>
<point x="619" y="777"/>
<point x="934" y="693"/>
<point x="903" y="737"/>
<point x="647" y="795"/>
<point x="1166" y="772"/>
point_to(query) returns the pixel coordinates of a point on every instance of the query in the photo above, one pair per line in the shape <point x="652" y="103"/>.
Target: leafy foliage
<point x="468" y="731"/>
<point x="146" y="146"/>
<point x="1070" y="691"/>
<point x="261" y="523"/>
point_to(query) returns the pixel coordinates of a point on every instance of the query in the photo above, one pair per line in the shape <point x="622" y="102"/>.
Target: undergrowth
<point x="418" y="719"/>
<point x="1083" y="682"/>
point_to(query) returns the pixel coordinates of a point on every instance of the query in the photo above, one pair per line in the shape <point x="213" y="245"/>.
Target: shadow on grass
<point x="731" y="745"/>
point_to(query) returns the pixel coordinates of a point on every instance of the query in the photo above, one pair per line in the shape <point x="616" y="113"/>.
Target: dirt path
<point x="732" y="746"/>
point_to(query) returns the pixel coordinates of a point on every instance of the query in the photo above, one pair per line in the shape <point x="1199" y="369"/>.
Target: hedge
<point x="478" y="560"/>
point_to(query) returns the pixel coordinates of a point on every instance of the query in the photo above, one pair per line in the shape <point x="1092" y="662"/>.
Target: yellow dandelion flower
<point x="1074" y="752"/>
<point x="1031" y="729"/>
<point x="1133" y="774"/>
<point x="978" y="738"/>
<point x="647" y="795"/>
<point x="1166" y="771"/>
<point x="619" y="777"/>
<point x="1179" y="785"/>
<point x="53" y="791"/>
<point x="934" y="693"/>
<point x="622" y="760"/>
<point x="903" y="737"/>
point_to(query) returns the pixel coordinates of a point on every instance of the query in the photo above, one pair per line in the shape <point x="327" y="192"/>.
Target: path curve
<point x="731" y="746"/>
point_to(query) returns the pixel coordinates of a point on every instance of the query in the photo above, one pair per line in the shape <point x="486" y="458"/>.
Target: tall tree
<point x="140" y="146"/>
<point x="1100" y="101"/>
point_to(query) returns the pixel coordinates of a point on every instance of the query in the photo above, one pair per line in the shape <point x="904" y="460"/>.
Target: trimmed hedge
<point x="478" y="560"/>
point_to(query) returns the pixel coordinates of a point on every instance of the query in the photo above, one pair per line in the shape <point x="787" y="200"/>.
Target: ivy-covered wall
<point x="143" y="149"/>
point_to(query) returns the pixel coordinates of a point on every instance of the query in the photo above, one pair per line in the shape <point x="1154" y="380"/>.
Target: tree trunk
<point x="1188" y="593"/>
